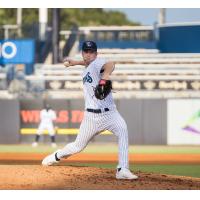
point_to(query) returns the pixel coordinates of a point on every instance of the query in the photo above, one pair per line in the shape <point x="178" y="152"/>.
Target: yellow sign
<point x="60" y="131"/>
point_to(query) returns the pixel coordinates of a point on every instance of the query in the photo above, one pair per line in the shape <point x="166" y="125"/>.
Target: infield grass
<point x="105" y="148"/>
<point x="173" y="169"/>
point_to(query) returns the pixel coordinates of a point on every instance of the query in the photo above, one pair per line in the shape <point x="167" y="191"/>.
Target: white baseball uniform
<point x="94" y="123"/>
<point x="47" y="118"/>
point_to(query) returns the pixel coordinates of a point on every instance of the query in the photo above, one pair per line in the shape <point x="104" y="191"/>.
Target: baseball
<point x="66" y="63"/>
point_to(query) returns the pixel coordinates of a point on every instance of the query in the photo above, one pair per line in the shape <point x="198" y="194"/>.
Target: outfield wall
<point x="142" y="117"/>
<point x="155" y="121"/>
<point x="9" y="121"/>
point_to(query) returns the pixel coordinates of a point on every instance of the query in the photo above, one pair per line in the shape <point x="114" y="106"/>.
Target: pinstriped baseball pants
<point x="94" y="123"/>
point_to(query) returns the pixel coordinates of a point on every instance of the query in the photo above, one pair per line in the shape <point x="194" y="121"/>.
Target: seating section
<point x="139" y="73"/>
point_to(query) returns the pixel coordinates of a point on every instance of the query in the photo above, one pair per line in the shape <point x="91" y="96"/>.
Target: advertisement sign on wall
<point x="17" y="51"/>
<point x="183" y="121"/>
<point x="68" y="117"/>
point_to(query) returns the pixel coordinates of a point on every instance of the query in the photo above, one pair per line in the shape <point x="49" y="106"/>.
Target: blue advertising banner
<point x="179" y="38"/>
<point x="17" y="51"/>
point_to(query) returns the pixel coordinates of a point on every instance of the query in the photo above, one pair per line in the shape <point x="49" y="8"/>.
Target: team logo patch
<point x="87" y="78"/>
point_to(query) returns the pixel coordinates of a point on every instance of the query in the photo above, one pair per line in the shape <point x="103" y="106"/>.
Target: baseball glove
<point x="103" y="89"/>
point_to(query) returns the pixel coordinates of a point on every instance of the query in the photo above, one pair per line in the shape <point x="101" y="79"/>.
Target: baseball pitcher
<point x="100" y="111"/>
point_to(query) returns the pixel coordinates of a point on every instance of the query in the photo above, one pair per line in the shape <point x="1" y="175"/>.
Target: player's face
<point x="89" y="56"/>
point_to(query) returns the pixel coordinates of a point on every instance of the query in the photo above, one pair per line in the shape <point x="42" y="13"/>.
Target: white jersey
<point x="91" y="76"/>
<point x="94" y="123"/>
<point x="47" y="117"/>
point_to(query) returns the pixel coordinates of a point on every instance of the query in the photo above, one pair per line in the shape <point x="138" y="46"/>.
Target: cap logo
<point x="89" y="44"/>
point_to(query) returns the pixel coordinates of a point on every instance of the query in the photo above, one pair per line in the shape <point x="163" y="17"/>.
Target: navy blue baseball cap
<point x="89" y="45"/>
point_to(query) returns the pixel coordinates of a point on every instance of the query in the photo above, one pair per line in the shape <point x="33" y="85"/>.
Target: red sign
<point x="63" y="116"/>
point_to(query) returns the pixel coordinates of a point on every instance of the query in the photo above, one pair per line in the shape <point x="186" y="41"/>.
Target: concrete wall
<point x="9" y="121"/>
<point x="146" y="120"/>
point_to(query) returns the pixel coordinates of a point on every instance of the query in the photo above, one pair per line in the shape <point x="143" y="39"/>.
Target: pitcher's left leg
<point x="119" y="128"/>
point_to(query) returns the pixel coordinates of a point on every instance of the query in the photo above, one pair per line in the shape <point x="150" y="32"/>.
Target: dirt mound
<point x="68" y="177"/>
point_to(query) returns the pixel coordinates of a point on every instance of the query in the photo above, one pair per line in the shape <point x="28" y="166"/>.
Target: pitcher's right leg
<point x="88" y="129"/>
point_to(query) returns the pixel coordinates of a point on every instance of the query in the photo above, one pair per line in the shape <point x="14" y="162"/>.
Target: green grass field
<point x="174" y="169"/>
<point x="105" y="148"/>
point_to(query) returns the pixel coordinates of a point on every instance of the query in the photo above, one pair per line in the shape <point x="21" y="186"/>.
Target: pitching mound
<point x="68" y="177"/>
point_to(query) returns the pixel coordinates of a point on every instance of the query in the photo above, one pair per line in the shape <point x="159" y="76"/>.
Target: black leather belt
<point x="97" y="110"/>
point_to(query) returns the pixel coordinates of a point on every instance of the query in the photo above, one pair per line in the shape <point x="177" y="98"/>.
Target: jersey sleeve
<point x="99" y="63"/>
